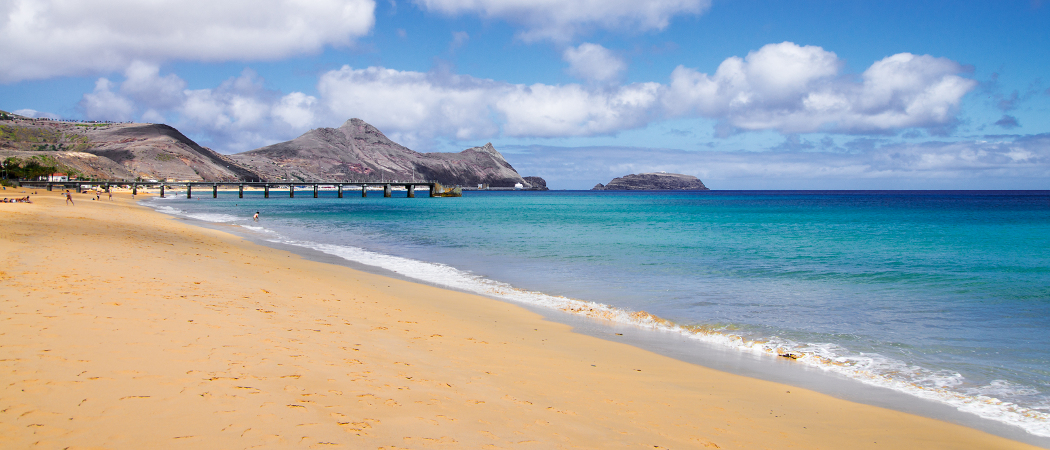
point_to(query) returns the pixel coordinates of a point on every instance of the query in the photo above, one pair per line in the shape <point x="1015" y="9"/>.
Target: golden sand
<point x="124" y="328"/>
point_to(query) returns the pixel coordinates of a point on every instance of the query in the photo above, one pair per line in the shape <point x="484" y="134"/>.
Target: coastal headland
<point x="126" y="328"/>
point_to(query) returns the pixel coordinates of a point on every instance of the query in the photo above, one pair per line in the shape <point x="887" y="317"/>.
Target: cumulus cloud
<point x="417" y="106"/>
<point x="560" y="20"/>
<point x="104" y="104"/>
<point x="782" y="87"/>
<point x="1021" y="162"/>
<point x="594" y="63"/>
<point x="145" y="85"/>
<point x="238" y="115"/>
<point x="48" y="38"/>
<point x="799" y="89"/>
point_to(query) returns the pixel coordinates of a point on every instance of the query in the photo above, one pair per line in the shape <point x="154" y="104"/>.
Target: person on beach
<point x="110" y="195"/>
<point x="69" y="199"/>
<point x="256" y="216"/>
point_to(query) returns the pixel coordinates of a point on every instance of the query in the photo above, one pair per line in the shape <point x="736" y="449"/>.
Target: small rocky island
<point x="653" y="182"/>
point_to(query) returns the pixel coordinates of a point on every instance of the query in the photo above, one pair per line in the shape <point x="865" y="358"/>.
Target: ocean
<point x="943" y="296"/>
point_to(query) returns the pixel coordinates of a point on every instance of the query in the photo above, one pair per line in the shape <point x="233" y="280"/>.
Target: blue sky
<point x="745" y="94"/>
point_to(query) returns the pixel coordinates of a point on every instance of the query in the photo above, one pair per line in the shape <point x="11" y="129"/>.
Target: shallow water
<point x="940" y="295"/>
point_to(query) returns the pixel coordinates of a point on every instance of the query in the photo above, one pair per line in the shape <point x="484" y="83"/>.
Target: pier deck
<point x="291" y="187"/>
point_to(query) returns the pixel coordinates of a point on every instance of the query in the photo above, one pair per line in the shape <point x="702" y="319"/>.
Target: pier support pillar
<point x="266" y="191"/>
<point x="291" y="191"/>
<point x="315" y="191"/>
<point x="107" y="187"/>
<point x="214" y="191"/>
<point x="386" y="190"/>
<point x="411" y="191"/>
<point x="433" y="189"/>
<point x="340" y="191"/>
<point x="79" y="188"/>
<point x="240" y="191"/>
<point x="189" y="191"/>
<point x="364" y="191"/>
<point x="162" y="191"/>
<point x="50" y="187"/>
<point x="134" y="190"/>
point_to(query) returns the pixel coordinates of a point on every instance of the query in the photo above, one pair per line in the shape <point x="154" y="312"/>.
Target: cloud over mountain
<point x="781" y="87"/>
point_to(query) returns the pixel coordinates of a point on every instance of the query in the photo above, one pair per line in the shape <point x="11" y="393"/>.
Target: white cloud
<point x="417" y="106"/>
<point x="104" y="104"/>
<point x="560" y="20"/>
<point x="412" y="105"/>
<point x="781" y="87"/>
<point x="143" y="83"/>
<point x="296" y="109"/>
<point x="795" y="89"/>
<point x="571" y="110"/>
<point x="594" y="63"/>
<point x="48" y="38"/>
<point x="238" y="115"/>
<point x="36" y="114"/>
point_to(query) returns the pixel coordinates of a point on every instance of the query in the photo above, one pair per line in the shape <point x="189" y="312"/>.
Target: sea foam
<point x="869" y="368"/>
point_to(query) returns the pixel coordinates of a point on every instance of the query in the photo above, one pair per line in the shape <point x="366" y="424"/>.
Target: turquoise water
<point x="943" y="295"/>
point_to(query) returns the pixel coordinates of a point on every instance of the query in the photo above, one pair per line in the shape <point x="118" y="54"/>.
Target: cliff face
<point x="653" y="182"/>
<point x="358" y="151"/>
<point x="116" y="151"/>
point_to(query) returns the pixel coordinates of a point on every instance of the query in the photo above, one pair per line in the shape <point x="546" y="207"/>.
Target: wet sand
<point x="124" y="328"/>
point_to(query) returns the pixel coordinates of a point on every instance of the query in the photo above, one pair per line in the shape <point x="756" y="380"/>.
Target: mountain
<point x="115" y="151"/>
<point x="357" y="151"/>
<point x="653" y="182"/>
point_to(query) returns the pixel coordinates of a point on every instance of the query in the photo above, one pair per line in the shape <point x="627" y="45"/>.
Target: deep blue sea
<point x="942" y="295"/>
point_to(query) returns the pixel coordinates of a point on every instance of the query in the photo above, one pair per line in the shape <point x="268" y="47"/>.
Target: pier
<point x="340" y="187"/>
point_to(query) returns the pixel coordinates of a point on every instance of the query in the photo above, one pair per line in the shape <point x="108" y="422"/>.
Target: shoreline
<point x="697" y="352"/>
<point x="125" y="327"/>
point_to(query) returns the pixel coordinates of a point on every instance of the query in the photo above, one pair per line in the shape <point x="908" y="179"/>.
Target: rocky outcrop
<point x="536" y="184"/>
<point x="358" y="151"/>
<point x="116" y="151"/>
<point x="653" y="182"/>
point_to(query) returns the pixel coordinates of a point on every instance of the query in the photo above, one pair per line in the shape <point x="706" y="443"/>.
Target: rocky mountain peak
<point x="363" y="131"/>
<point x="489" y="149"/>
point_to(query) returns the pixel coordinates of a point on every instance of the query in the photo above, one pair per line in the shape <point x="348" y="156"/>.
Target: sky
<point x="744" y="94"/>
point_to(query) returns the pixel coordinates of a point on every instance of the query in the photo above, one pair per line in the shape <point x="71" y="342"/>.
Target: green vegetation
<point x="29" y="168"/>
<point x="4" y="115"/>
<point x="165" y="157"/>
<point x="43" y="139"/>
<point x="34" y="167"/>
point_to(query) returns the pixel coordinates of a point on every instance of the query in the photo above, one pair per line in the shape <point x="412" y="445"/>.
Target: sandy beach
<point x="121" y="327"/>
